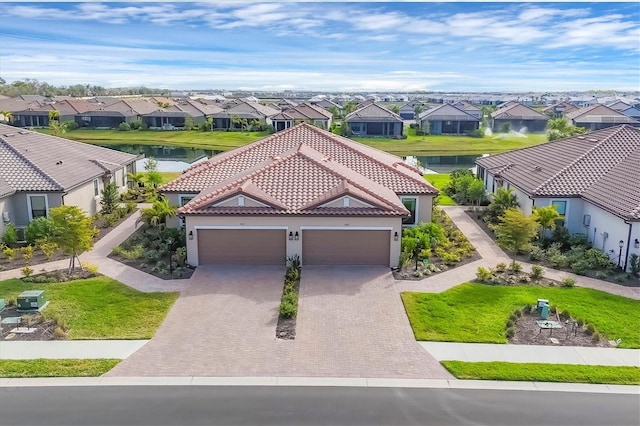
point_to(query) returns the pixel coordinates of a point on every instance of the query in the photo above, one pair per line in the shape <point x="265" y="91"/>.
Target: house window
<point x="560" y="206"/>
<point x="412" y="205"/>
<point x="96" y="188"/>
<point x="182" y="200"/>
<point x="38" y="206"/>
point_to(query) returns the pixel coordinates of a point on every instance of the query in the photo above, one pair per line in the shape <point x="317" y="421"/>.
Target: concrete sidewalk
<point x="362" y="382"/>
<point x="70" y="349"/>
<point x="484" y="352"/>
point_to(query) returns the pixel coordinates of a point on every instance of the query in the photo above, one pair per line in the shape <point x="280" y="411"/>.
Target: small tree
<point x="151" y="164"/>
<point x="502" y="200"/>
<point x="395" y="109"/>
<point x="515" y="230"/>
<point x="189" y="123"/>
<point x="546" y="217"/>
<point x="8" y="116"/>
<point x="475" y="192"/>
<point x="110" y="198"/>
<point x="73" y="232"/>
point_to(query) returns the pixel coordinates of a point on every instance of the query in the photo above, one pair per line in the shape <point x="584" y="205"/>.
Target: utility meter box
<point x="31" y="301"/>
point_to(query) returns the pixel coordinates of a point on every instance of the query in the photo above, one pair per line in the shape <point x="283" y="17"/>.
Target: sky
<point x="325" y="46"/>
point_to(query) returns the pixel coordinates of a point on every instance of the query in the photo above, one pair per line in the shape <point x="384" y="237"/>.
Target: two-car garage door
<point x="242" y="246"/>
<point x="345" y="247"/>
<point x="269" y="246"/>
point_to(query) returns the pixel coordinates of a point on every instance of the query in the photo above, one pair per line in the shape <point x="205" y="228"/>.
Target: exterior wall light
<point x="636" y="243"/>
<point x="191" y="235"/>
<point x="297" y="236"/>
<point x="620" y="244"/>
<point x="395" y="236"/>
<point x="290" y="235"/>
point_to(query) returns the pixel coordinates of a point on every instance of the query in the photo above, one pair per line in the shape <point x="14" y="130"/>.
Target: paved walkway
<point x="481" y="352"/>
<point x="98" y="255"/>
<point x="70" y="349"/>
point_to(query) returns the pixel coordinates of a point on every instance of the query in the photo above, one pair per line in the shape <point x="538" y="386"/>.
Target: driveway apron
<point x="351" y="323"/>
<point x="223" y="324"/>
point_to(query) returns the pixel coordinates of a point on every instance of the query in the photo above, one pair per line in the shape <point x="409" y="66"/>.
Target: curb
<point x="321" y="382"/>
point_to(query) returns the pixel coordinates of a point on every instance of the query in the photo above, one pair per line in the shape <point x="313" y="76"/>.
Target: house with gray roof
<point x="559" y="109"/>
<point x="598" y="117"/>
<point x="40" y="172"/>
<point x="408" y="110"/>
<point x="250" y="111"/>
<point x="373" y="120"/>
<point x="111" y="116"/>
<point x="470" y="109"/>
<point x="593" y="181"/>
<point x="39" y="116"/>
<point x="303" y="113"/>
<point x="628" y="108"/>
<point x="447" y="119"/>
<point x="518" y="117"/>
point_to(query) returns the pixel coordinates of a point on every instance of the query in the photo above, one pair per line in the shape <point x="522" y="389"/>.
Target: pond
<point x="170" y="158"/>
<point x="176" y="159"/>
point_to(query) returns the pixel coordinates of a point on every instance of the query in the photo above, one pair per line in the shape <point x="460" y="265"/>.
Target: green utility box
<point x="31" y="301"/>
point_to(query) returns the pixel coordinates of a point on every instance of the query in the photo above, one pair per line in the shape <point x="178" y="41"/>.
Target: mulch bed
<point x="527" y="332"/>
<point x="632" y="282"/>
<point x="406" y="273"/>
<point x="39" y="258"/>
<point x="43" y="329"/>
<point x="286" y="327"/>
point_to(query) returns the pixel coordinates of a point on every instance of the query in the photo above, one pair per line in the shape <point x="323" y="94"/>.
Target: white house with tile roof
<point x="39" y="172"/>
<point x="593" y="180"/>
<point x="302" y="191"/>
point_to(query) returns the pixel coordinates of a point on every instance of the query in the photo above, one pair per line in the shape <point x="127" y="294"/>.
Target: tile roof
<point x="568" y="107"/>
<point x="518" y="111"/>
<point x="306" y="163"/>
<point x="308" y="112"/>
<point x="250" y="110"/>
<point x="602" y="167"/>
<point x="447" y="112"/>
<point x="373" y="112"/>
<point x="33" y="161"/>
<point x="600" y="114"/>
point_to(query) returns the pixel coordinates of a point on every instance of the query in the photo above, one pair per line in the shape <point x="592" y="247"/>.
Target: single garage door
<point x="345" y="247"/>
<point x="242" y="246"/>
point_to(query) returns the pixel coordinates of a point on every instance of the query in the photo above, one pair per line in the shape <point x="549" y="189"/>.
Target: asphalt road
<point x="194" y="405"/>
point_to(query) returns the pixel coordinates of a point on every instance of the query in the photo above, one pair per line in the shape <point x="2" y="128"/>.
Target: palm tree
<point x="546" y="217"/>
<point x="57" y="128"/>
<point x="8" y="116"/>
<point x="348" y="108"/>
<point x="560" y="128"/>
<point x="156" y="215"/>
<point x="502" y="200"/>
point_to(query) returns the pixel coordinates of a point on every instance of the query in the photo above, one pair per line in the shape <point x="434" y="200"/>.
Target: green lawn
<point x="566" y="373"/>
<point x="440" y="180"/>
<point x="452" y="145"/>
<point x="478" y="313"/>
<point x="168" y="176"/>
<point x="99" y="308"/>
<point x="413" y="145"/>
<point x="56" y="367"/>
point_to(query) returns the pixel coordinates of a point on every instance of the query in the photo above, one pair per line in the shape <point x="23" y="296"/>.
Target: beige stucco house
<point x="302" y="191"/>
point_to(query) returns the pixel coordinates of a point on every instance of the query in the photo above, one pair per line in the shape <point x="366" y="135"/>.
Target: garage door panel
<point x="241" y="246"/>
<point x="345" y="247"/>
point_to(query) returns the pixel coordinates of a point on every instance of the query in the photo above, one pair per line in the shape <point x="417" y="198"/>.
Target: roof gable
<point x="373" y="112"/>
<point x="600" y="114"/>
<point x="447" y="112"/>
<point x="518" y="111"/>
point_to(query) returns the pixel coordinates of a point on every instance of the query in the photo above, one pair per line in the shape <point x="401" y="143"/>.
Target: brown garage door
<point x="338" y="247"/>
<point x="242" y="246"/>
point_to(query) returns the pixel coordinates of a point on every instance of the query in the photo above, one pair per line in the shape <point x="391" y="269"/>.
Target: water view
<point x="442" y="163"/>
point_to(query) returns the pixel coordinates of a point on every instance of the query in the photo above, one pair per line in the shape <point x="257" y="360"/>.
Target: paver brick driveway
<point x="351" y="323"/>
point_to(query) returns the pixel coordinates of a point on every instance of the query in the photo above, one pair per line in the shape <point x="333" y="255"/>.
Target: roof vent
<point x="58" y="162"/>
<point x="537" y="169"/>
<point x="23" y="132"/>
<point x="327" y="158"/>
<point x="9" y="134"/>
<point x="275" y="157"/>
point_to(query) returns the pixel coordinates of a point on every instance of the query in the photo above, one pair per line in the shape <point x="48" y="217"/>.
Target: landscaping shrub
<point x="568" y="282"/>
<point x="509" y="323"/>
<point x="90" y="267"/>
<point x="27" y="253"/>
<point x="601" y="275"/>
<point x="9" y="252"/>
<point x="634" y="264"/>
<point x="621" y="278"/>
<point x="580" y="267"/>
<point x="590" y="329"/>
<point x="501" y="267"/>
<point x="596" y="337"/>
<point x="483" y="274"/>
<point x="515" y="267"/>
<point x="558" y="260"/>
<point x="27" y="271"/>
<point x="110" y="198"/>
<point x="578" y="240"/>
<point x="124" y="127"/>
<point x="536" y="253"/>
<point x="38" y="230"/>
<point x="510" y="333"/>
<point x="537" y="272"/>
<point x="10" y="236"/>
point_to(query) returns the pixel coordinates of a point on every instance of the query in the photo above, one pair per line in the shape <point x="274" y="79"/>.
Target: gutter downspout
<point x="626" y="259"/>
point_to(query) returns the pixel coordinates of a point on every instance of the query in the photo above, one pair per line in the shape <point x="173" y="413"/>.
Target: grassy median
<point x="56" y="367"/>
<point x="536" y="372"/>
<point x="99" y="308"/>
<point x="476" y="313"/>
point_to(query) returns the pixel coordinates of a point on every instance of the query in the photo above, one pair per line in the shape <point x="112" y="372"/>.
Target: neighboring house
<point x="598" y="117"/>
<point x="627" y="108"/>
<point x="40" y="172"/>
<point x="111" y="116"/>
<point x="39" y="116"/>
<point x="408" y="110"/>
<point x="373" y="120"/>
<point x="303" y="113"/>
<point x="249" y="111"/>
<point x="518" y="117"/>
<point x="283" y="104"/>
<point x="302" y="191"/>
<point x="447" y="119"/>
<point x="470" y="109"/>
<point x="13" y="106"/>
<point x="592" y="180"/>
<point x="560" y="109"/>
<point x="327" y="104"/>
